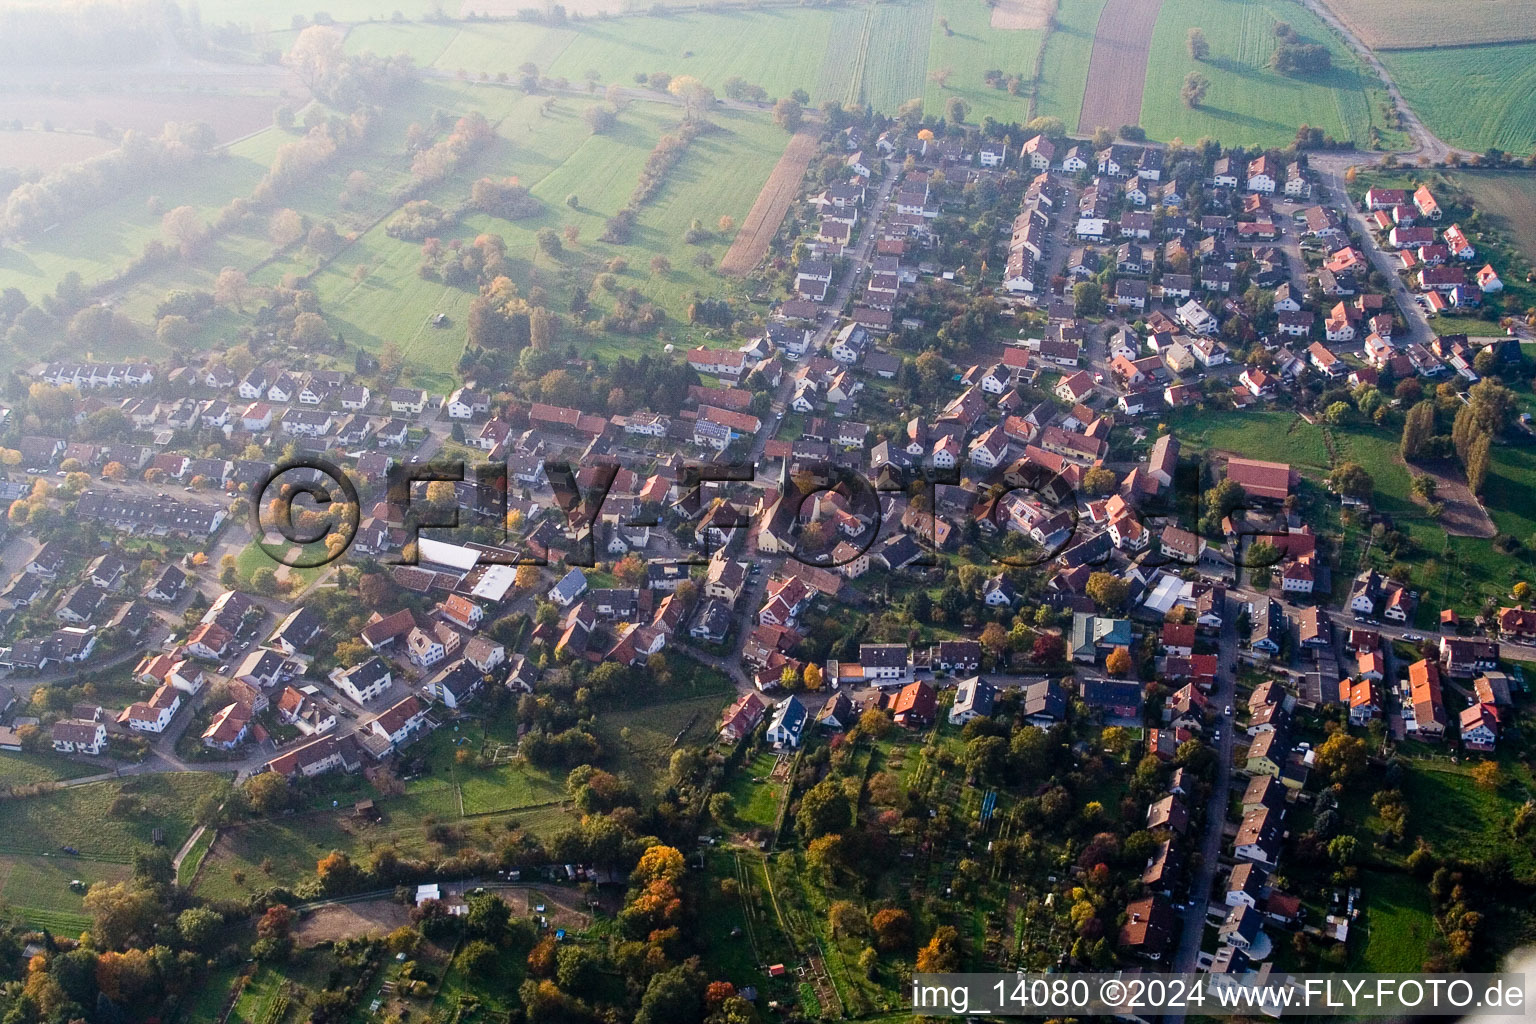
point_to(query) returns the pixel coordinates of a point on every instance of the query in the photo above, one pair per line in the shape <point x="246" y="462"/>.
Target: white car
<point x="1229" y="710"/>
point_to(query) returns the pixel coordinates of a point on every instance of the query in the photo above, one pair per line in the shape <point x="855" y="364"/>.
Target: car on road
<point x="1229" y="710"/>
<point x="1216" y="736"/>
<point x="1412" y="638"/>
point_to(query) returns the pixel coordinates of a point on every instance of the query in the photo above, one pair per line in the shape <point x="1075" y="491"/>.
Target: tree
<point x="336" y="872"/>
<point x="892" y="928"/>
<point x="1100" y="481"/>
<point x="487" y="916"/>
<point x="199" y="926"/>
<point x="694" y="94"/>
<point x="1351" y="480"/>
<point x="823" y="810"/>
<point x="812" y="677"/>
<point x="316" y="53"/>
<point x="1477" y="462"/>
<point x="1418" y="425"/>
<point x="874" y="723"/>
<point x="266" y="793"/>
<point x="479" y="958"/>
<point x="847" y="920"/>
<point x="1195" y="39"/>
<point x="121" y="915"/>
<point x="1108" y="590"/>
<point x="600" y="119"/>
<point x="276" y="923"/>
<point x="955" y="110"/>
<point x="673" y="995"/>
<point x="659" y="863"/>
<point x="1338" y="413"/>
<point x="1425" y="487"/>
<point x="788" y="114"/>
<point x="1088" y="297"/>
<point x="1521" y="592"/>
<point x="1341" y="757"/>
<point x="1193" y="91"/>
<point x="1488" y="775"/>
<point x="1048" y="649"/>
<point x="1341" y="849"/>
<point x="942" y="953"/>
<point x="1118" y="662"/>
<point x="230" y="288"/>
<point x="185" y="228"/>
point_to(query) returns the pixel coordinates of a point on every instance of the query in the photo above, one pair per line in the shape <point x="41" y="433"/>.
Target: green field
<point x="970" y="49"/>
<point x="1397" y="924"/>
<point x="1474" y="97"/>
<point x="1249" y="104"/>
<point x="1272" y="435"/>
<point x="19" y="769"/>
<point x="37" y="889"/>
<point x="781" y="49"/>
<point x="90" y="819"/>
<point x="1064" y="74"/>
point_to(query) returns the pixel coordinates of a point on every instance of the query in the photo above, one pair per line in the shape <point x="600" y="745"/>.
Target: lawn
<point x="1249" y="104"/>
<point x="755" y="800"/>
<point x="1396" y="922"/>
<point x="1271" y="435"/>
<point x="22" y="769"/>
<point x="91" y="819"/>
<point x="1458" y="817"/>
<point x="968" y="50"/>
<point x="37" y="889"/>
<point x="638" y="741"/>
<point x="1474" y="97"/>
<point x="1064" y="73"/>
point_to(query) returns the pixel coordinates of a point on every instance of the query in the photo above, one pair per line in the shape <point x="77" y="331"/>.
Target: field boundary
<point x="772" y="203"/>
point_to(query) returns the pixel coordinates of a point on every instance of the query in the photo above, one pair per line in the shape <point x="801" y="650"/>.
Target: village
<point x="1072" y="564"/>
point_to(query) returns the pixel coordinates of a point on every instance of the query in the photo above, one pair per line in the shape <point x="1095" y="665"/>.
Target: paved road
<point x="1335" y="194"/>
<point x="1216" y="810"/>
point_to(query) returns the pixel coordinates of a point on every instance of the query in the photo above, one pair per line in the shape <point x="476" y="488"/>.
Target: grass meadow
<point x="1064" y="73"/>
<point x="969" y="49"/>
<point x="1475" y="97"/>
<point x="1249" y="104"/>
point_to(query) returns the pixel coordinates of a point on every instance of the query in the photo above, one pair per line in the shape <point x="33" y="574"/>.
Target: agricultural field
<point x="371" y="291"/>
<point x="968" y="49"/>
<point x="1064" y="72"/>
<point x="1474" y="97"/>
<point x="44" y="150"/>
<point x="1248" y="103"/>
<point x="1404" y="24"/>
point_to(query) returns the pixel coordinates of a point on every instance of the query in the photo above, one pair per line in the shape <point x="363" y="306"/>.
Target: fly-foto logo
<point x="308" y="513"/>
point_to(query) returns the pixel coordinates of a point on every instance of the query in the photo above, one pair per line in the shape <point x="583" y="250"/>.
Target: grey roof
<point x="571" y="585"/>
<point x="975" y="695"/>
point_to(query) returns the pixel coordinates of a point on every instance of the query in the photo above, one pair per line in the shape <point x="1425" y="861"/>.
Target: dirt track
<point x="1117" y="68"/>
<point x="1463" y="516"/>
<point x="772" y="203"/>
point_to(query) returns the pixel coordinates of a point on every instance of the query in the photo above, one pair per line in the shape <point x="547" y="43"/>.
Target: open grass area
<point x="1396" y="923"/>
<point x="755" y="800"/>
<point x="638" y="741"/>
<point x="93" y="820"/>
<point x="1272" y="435"/>
<point x="1248" y="103"/>
<point x="1064" y="75"/>
<point x="968" y="49"/>
<point x="779" y="49"/>
<point x="37" y="889"/>
<point x="1459" y="818"/>
<point x="23" y="769"/>
<point x="1474" y="97"/>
